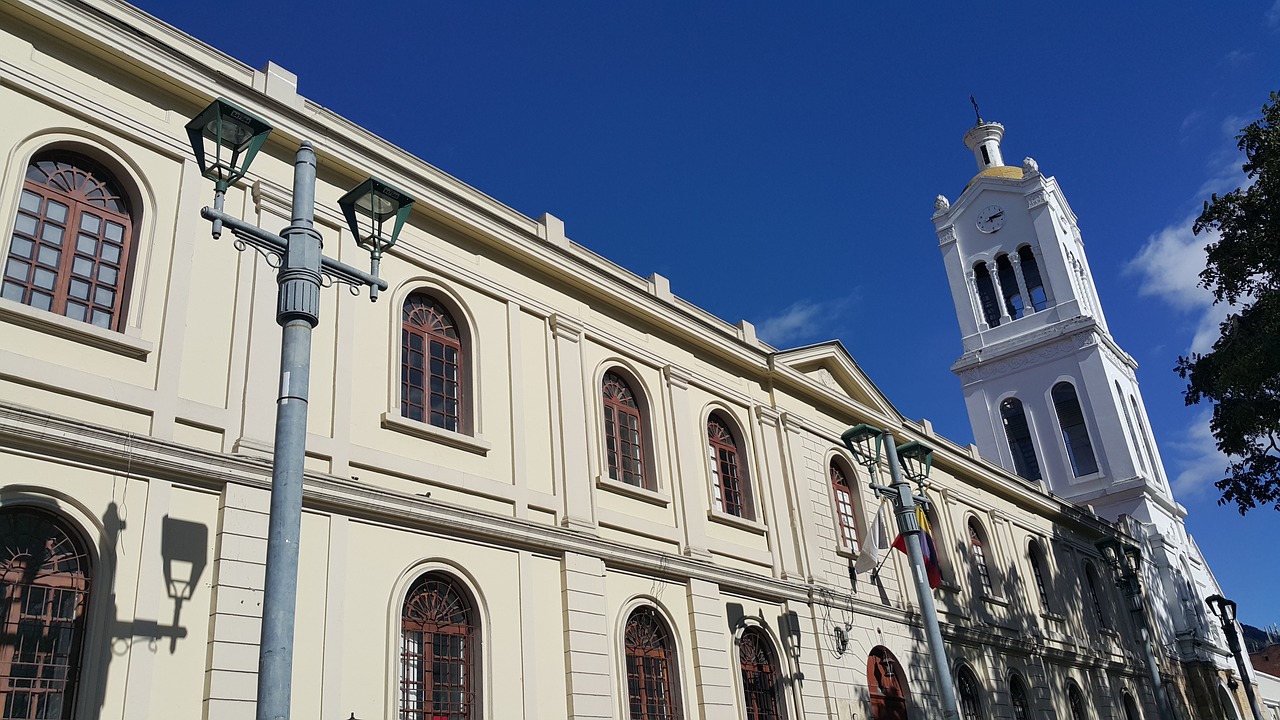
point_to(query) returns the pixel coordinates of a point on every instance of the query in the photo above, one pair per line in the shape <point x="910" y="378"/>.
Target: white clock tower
<point x="1051" y="395"/>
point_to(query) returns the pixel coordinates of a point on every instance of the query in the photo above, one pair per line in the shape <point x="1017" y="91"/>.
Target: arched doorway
<point x="887" y="684"/>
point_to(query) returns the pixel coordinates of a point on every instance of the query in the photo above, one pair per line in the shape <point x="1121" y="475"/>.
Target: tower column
<point x="994" y="273"/>
<point x="1016" y="262"/>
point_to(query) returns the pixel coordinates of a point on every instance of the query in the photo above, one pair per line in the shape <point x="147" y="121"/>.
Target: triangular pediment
<point x="829" y="366"/>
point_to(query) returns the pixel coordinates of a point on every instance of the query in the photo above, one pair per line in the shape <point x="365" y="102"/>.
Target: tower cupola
<point x="984" y="140"/>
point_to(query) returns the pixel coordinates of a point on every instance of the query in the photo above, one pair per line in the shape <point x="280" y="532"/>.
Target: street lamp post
<point x="225" y="138"/>
<point x="866" y="443"/>
<point x="1126" y="564"/>
<point x="1226" y="611"/>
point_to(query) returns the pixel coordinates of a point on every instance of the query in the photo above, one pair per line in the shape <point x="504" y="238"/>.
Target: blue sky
<point x="779" y="163"/>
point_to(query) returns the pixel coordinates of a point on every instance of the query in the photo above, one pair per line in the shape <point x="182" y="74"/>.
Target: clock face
<point x="991" y="218"/>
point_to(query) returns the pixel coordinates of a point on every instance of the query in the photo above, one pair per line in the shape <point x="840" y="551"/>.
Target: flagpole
<point x="904" y="502"/>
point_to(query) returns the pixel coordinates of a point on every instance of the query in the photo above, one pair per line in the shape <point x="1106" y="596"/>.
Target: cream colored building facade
<point x="145" y="441"/>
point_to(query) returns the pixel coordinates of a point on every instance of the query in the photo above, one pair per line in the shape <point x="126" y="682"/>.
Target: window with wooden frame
<point x="760" y="677"/>
<point x="72" y="243"/>
<point x="624" y="436"/>
<point x="846" y="521"/>
<point x="1018" y="698"/>
<point x="438" y="652"/>
<point x="977" y="547"/>
<point x="1035" y="554"/>
<point x="433" y="365"/>
<point x="651" y="686"/>
<point x="969" y="693"/>
<point x="44" y="599"/>
<point x="887" y="685"/>
<point x="728" y="471"/>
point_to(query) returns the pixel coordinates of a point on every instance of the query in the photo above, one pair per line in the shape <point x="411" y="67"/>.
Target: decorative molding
<point x="653" y="497"/>
<point x="827" y="379"/>
<point x="565" y="327"/>
<point x="767" y="415"/>
<point x="677" y="377"/>
<point x="471" y="443"/>
<point x="947" y="235"/>
<point x="1037" y="198"/>
<point x="977" y="371"/>
<point x="82" y="332"/>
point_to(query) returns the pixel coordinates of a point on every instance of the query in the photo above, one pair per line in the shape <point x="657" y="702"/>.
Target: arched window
<point x="986" y="294"/>
<point x="1018" y="433"/>
<point x="887" y="685"/>
<point x="728" y="472"/>
<point x="1091" y="584"/>
<point x="1130" y="708"/>
<point x="650" y="687"/>
<point x="1228" y="705"/>
<point x="1035" y="553"/>
<point x="1031" y="276"/>
<point x="1009" y="287"/>
<point x="977" y="541"/>
<point x="72" y="241"/>
<point x="1146" y="437"/>
<point x="1074" y="433"/>
<point x="623" y="431"/>
<point x="433" y="366"/>
<point x="1018" y="698"/>
<point x="1075" y="700"/>
<point x="848" y="526"/>
<point x="760" y="678"/>
<point x="44" y="598"/>
<point x="969" y="693"/>
<point x="438" y="652"/>
<point x="1133" y="435"/>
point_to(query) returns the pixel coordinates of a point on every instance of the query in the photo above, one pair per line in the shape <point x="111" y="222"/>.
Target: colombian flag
<point x="927" y="547"/>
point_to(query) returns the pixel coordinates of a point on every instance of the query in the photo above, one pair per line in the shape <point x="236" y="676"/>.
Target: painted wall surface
<point x="153" y="443"/>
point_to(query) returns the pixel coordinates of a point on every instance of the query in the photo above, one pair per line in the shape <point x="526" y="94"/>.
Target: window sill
<point x="81" y="332"/>
<point x="993" y="600"/>
<point x="475" y="444"/>
<point x="724" y="518"/>
<point x="1055" y="617"/>
<point x="653" y="497"/>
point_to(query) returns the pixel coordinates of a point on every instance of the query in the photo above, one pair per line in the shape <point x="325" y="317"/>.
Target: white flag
<point x="875" y="542"/>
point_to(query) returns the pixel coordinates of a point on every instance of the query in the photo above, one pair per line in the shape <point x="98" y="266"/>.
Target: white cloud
<point x="1273" y="15"/>
<point x="1199" y="462"/>
<point x="803" y="321"/>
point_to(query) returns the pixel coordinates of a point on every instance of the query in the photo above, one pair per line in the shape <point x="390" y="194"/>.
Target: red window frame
<point x="72" y="241"/>
<point x="728" y="483"/>
<point x="44" y="597"/>
<point x="438" y="653"/>
<point x="848" y="524"/>
<point x="887" y="685"/>
<point x="432" y="365"/>
<point x="650" y="690"/>
<point x="759" y="675"/>
<point x="623" y="432"/>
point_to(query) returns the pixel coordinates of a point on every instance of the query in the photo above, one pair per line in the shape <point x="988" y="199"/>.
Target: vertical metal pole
<point x="1233" y="642"/>
<point x="297" y="312"/>
<point x="905" y="506"/>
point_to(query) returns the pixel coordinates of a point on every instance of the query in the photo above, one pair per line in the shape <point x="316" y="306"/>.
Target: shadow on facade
<point x="184" y="556"/>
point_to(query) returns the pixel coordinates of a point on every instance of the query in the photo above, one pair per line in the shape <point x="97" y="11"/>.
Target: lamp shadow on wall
<point x="184" y="557"/>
